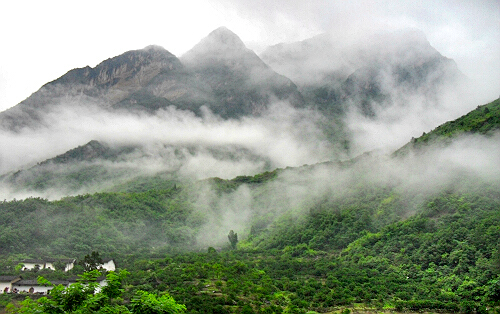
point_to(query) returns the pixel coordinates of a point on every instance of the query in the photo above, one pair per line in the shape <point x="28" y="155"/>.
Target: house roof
<point x="34" y="261"/>
<point x="48" y="260"/>
<point x="10" y="278"/>
<point x="74" y="279"/>
<point x="64" y="260"/>
<point x="34" y="282"/>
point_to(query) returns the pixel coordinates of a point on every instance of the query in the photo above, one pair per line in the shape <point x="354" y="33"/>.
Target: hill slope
<point x="484" y="120"/>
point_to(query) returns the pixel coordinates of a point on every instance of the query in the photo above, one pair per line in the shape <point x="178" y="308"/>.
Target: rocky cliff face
<point x="106" y="85"/>
<point x="219" y="72"/>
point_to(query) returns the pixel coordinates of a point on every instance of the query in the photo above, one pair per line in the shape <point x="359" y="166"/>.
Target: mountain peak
<point x="220" y="43"/>
<point x="222" y="36"/>
<point x="154" y="48"/>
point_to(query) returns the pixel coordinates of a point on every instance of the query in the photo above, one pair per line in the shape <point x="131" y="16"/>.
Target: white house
<point x="30" y="264"/>
<point x="6" y="283"/>
<point x="69" y="263"/>
<point x="108" y="265"/>
<point x="48" y="263"/>
<point x="51" y="263"/>
<point x="32" y="286"/>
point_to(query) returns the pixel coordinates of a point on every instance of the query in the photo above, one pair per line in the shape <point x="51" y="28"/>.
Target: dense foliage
<point x="106" y="222"/>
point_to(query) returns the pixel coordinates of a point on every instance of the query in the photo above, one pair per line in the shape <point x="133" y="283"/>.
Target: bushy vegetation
<point x="86" y="296"/>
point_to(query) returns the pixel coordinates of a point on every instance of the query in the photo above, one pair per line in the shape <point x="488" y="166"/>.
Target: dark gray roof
<point x="35" y="261"/>
<point x="10" y="278"/>
<point x="49" y="260"/>
<point x="74" y="279"/>
<point x="64" y="260"/>
<point x="34" y="282"/>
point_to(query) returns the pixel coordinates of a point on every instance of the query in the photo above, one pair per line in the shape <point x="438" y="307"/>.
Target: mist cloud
<point x="177" y="140"/>
<point x="470" y="162"/>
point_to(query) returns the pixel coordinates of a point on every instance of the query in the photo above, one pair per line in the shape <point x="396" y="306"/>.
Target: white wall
<point x="69" y="266"/>
<point x="110" y="265"/>
<point x="37" y="288"/>
<point x="29" y="266"/>
<point x="5" y="284"/>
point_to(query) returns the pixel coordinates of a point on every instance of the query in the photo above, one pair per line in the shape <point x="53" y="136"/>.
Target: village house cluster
<point x="16" y="284"/>
<point x="68" y="264"/>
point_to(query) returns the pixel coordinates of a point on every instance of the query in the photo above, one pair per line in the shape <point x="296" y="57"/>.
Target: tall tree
<point x="233" y="239"/>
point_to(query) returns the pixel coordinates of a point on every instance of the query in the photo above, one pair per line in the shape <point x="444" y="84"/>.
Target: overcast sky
<point x="42" y="40"/>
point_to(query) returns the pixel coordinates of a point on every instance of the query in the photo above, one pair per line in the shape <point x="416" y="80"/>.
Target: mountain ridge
<point x="152" y="78"/>
<point x="221" y="76"/>
<point x="110" y="81"/>
<point x="373" y="75"/>
<point x="220" y="72"/>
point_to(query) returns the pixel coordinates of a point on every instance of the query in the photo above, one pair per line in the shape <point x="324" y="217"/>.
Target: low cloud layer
<point x="177" y="140"/>
<point x="409" y="116"/>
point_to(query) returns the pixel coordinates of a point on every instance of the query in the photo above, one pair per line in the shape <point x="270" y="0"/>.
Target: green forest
<point x="392" y="233"/>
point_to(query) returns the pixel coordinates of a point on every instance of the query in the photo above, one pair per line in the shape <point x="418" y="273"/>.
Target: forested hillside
<point x="407" y="233"/>
<point x="444" y="257"/>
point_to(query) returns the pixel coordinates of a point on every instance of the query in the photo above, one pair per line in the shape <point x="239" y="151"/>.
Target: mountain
<point x="409" y="234"/>
<point x="161" y="188"/>
<point x="91" y="151"/>
<point x="242" y="83"/>
<point x="327" y="206"/>
<point x="98" y="166"/>
<point x="372" y="74"/>
<point x="219" y="72"/>
<point x="109" y="84"/>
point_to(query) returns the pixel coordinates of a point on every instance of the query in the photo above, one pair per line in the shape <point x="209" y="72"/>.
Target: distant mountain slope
<point x="88" y="152"/>
<point x="98" y="166"/>
<point x="484" y="120"/>
<point x="371" y="75"/>
<point x="241" y="82"/>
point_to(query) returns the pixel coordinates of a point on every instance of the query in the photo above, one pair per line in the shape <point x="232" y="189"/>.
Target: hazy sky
<point x="42" y="40"/>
